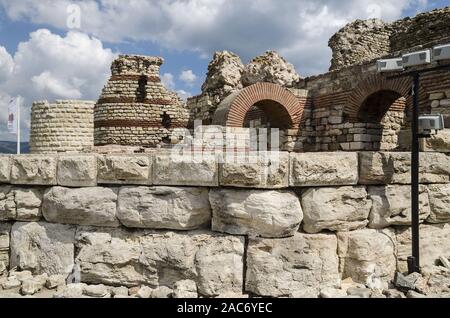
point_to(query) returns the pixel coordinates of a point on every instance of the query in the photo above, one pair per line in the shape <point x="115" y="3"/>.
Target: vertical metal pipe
<point x="414" y="260"/>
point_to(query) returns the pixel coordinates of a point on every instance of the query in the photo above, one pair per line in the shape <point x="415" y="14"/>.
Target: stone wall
<point x="153" y="225"/>
<point x="363" y="41"/>
<point x="64" y="126"/>
<point x="135" y="109"/>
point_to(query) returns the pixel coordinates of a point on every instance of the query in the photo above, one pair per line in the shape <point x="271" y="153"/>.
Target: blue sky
<point x="42" y="57"/>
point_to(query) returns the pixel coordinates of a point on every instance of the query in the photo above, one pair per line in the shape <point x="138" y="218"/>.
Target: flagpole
<point x="18" y="126"/>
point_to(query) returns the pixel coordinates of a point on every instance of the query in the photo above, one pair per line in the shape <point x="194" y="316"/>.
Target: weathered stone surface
<point x="42" y="247"/>
<point x="335" y="209"/>
<point x="391" y="205"/>
<point x="33" y="170"/>
<point x="83" y="206"/>
<point x="224" y="75"/>
<point x="185" y="170"/>
<point x="144" y="292"/>
<point x="22" y="204"/>
<point x="71" y="291"/>
<point x="269" y="67"/>
<point x="265" y="213"/>
<point x="99" y="290"/>
<point x="5" y="230"/>
<point x="267" y="170"/>
<point x="11" y="283"/>
<point x="164" y="207"/>
<point x="439" y="196"/>
<point x="28" y="203"/>
<point x="77" y="171"/>
<point x="7" y="204"/>
<point x="359" y="292"/>
<point x="124" y="169"/>
<point x="303" y="264"/>
<point x="118" y="257"/>
<point x="32" y="286"/>
<point x="367" y="256"/>
<point x="110" y="257"/>
<point x="185" y="289"/>
<point x="5" y="168"/>
<point x="394" y="167"/>
<point x="434" y="242"/>
<point x="162" y="292"/>
<point x="331" y="292"/>
<point x="323" y="169"/>
<point x="439" y="142"/>
<point x="53" y="281"/>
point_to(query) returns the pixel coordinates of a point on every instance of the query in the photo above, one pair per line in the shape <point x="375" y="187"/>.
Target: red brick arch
<point x="376" y="83"/>
<point x="233" y="109"/>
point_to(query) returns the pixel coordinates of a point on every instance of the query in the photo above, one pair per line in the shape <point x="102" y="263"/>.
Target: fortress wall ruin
<point x="155" y="220"/>
<point x="63" y="126"/>
<point x="363" y="41"/>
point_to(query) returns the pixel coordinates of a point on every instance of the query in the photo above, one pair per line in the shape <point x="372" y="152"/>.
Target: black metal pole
<point x="414" y="260"/>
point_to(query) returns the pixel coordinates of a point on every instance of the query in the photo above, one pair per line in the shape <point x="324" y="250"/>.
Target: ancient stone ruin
<point x="328" y="215"/>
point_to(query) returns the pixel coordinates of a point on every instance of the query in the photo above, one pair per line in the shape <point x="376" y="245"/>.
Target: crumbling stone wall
<point x="227" y="74"/>
<point x="64" y="126"/>
<point x="144" y="225"/>
<point x="363" y="41"/>
<point x="135" y="109"/>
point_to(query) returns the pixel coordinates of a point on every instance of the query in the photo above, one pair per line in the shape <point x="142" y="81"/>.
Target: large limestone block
<point x="367" y="256"/>
<point x="335" y="209"/>
<point x="439" y="195"/>
<point x="395" y="167"/>
<point x="77" y="171"/>
<point x="323" y="169"/>
<point x="28" y="203"/>
<point x="5" y="168"/>
<point x="33" y="170"/>
<point x="111" y="256"/>
<point x="42" y="247"/>
<point x="265" y="170"/>
<point x="185" y="170"/>
<point x="124" y="169"/>
<point x="434" y="242"/>
<point x="164" y="207"/>
<point x="82" y="206"/>
<point x="300" y="265"/>
<point x="439" y="142"/>
<point x="391" y="205"/>
<point x="119" y="257"/>
<point x="21" y="204"/>
<point x="255" y="212"/>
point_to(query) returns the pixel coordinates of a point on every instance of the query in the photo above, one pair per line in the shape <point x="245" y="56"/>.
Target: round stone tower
<point x="63" y="126"/>
<point x="135" y="109"/>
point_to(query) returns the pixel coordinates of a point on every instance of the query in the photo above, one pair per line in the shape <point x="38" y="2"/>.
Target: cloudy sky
<point x="61" y="49"/>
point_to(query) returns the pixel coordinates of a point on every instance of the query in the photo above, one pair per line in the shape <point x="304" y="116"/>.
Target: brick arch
<point x="233" y="109"/>
<point x="376" y="83"/>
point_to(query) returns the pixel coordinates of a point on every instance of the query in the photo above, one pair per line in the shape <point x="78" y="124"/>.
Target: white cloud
<point x="188" y="77"/>
<point x="299" y="29"/>
<point x="6" y="64"/>
<point x="49" y="66"/>
<point x="168" y="80"/>
<point x="183" y="94"/>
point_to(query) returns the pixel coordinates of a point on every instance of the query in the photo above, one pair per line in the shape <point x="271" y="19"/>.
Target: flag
<point x="12" y="115"/>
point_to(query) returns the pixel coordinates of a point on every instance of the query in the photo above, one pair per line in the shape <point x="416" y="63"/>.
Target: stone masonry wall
<point x="135" y="109"/>
<point x="363" y="41"/>
<point x="141" y="225"/>
<point x="64" y="126"/>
